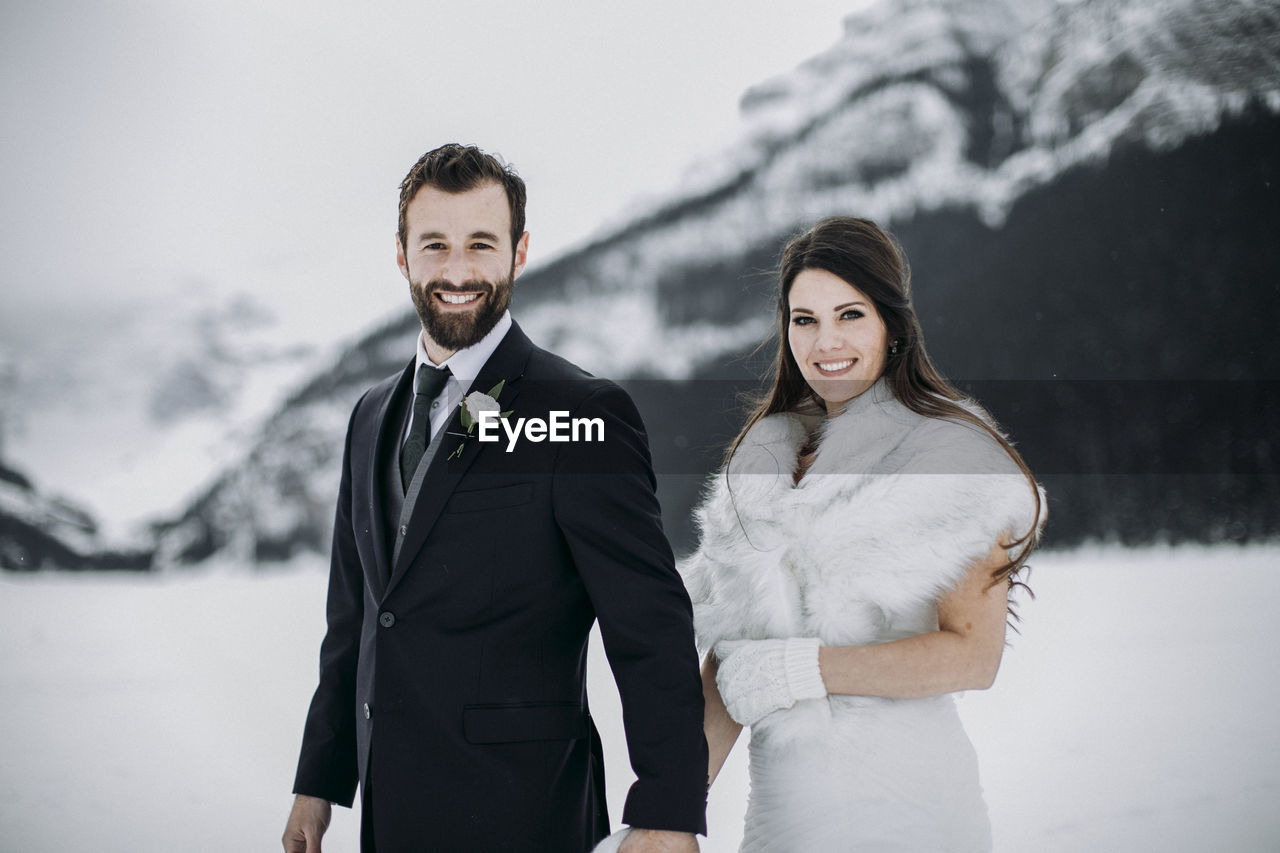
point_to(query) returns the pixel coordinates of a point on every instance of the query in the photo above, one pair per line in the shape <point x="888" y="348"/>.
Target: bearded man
<point x="466" y="575"/>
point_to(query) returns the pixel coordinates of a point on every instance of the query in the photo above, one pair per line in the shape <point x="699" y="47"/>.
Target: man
<point x="463" y="586"/>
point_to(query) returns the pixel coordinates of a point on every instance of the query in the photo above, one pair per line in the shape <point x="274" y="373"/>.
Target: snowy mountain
<point x="40" y="531"/>
<point x="924" y="106"/>
<point x="108" y="409"/>
<point x="1086" y="194"/>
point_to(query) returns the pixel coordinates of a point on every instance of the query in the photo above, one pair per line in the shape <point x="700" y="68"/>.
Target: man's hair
<point x="455" y="168"/>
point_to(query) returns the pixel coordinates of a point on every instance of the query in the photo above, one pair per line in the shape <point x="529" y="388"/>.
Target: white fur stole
<point x="889" y="516"/>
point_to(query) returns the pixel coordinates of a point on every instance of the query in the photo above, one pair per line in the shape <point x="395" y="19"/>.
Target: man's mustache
<point x="474" y="286"/>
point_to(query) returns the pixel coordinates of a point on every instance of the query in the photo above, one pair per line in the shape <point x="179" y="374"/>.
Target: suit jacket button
<point x="366" y="710"/>
<point x="386" y="619"/>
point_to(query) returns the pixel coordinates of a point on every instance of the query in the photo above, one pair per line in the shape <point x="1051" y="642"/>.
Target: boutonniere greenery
<point x="472" y="406"/>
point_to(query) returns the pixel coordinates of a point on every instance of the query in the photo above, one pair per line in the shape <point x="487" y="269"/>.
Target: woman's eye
<point x="801" y="321"/>
<point x="852" y="314"/>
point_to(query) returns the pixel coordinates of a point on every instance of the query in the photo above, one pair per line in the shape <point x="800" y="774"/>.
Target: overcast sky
<point x="163" y="147"/>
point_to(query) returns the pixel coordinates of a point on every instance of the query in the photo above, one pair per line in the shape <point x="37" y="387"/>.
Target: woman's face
<point x="836" y="336"/>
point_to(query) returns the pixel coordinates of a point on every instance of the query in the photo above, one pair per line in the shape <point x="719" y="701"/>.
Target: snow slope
<point x="163" y="712"/>
<point x="922" y="105"/>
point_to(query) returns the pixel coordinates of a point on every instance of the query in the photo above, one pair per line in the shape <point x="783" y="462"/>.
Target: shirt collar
<point x="465" y="364"/>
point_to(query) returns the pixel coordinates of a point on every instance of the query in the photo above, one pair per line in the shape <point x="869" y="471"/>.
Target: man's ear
<point x="400" y="259"/>
<point x="521" y="256"/>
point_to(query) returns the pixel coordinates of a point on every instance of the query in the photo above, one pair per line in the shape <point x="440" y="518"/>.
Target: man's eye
<point x="434" y="246"/>
<point x="481" y="246"/>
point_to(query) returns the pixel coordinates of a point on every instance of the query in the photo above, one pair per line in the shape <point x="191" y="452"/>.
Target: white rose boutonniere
<point x="472" y="406"/>
<point x="475" y="405"/>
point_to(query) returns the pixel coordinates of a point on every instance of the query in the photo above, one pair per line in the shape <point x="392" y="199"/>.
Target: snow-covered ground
<point x="1135" y="711"/>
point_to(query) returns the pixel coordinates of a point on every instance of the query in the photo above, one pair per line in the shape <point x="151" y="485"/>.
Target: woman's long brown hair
<point x="867" y="257"/>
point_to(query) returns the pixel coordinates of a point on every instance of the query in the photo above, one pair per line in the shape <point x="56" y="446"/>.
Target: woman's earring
<point x="893" y="347"/>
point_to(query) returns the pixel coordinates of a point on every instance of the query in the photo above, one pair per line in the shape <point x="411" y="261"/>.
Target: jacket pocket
<point x="523" y="721"/>
<point x="482" y="499"/>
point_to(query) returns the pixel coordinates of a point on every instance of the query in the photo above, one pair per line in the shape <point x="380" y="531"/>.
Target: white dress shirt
<point x="464" y="365"/>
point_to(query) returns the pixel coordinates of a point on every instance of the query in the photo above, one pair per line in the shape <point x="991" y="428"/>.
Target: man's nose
<point x="454" y="267"/>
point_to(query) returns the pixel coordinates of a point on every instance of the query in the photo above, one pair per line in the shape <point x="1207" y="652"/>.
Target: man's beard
<point x="456" y="330"/>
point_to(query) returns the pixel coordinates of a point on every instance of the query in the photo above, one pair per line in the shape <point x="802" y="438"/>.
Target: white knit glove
<point x="758" y="677"/>
<point x="613" y="842"/>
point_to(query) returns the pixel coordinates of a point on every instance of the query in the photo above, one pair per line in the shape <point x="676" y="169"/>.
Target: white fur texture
<point x="888" y="517"/>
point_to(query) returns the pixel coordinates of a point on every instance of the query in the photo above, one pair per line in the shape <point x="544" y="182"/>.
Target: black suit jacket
<point x="456" y="677"/>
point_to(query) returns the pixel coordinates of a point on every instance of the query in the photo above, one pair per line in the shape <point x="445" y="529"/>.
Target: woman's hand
<point x="758" y="677"/>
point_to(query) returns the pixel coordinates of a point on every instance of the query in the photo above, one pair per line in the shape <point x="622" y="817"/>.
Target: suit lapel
<point x="443" y="475"/>
<point x="388" y="437"/>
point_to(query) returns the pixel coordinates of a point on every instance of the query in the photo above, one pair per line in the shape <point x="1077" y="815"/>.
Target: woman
<point x="857" y="552"/>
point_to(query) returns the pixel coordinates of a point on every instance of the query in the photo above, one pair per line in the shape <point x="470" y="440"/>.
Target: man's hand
<point x="307" y="822"/>
<point x="659" y="841"/>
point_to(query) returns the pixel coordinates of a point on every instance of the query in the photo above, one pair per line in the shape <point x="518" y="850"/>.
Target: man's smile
<point x="449" y="298"/>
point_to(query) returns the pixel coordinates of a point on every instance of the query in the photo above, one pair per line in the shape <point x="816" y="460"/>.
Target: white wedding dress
<point x="888" y="517"/>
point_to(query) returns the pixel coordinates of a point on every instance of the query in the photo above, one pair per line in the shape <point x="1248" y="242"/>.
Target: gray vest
<point x="398" y="500"/>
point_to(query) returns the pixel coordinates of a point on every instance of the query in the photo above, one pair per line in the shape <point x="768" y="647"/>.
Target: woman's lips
<point x="835" y="368"/>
